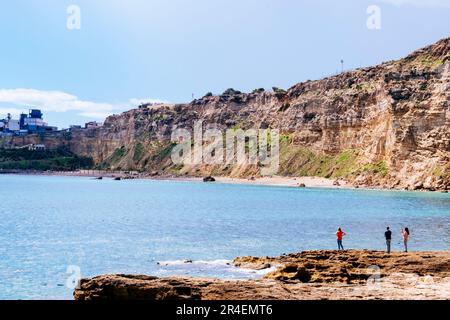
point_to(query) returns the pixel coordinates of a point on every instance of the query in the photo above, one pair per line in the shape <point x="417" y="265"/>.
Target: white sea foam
<point x="218" y="262"/>
<point x="219" y="268"/>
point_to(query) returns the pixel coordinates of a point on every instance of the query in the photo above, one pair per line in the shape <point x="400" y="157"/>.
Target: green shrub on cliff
<point x="302" y="161"/>
<point x="42" y="160"/>
<point x="379" y="168"/>
<point x="138" y="152"/>
<point x="285" y="138"/>
<point x="280" y="91"/>
<point x="118" y="154"/>
<point x="113" y="160"/>
<point x="260" y="90"/>
<point x="231" y="92"/>
<point x="163" y="152"/>
<point x="442" y="171"/>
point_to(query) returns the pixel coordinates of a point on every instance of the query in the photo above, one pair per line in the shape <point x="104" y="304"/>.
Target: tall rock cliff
<point x="387" y="125"/>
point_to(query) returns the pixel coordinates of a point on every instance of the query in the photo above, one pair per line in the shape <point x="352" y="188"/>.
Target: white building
<point x="92" y="124"/>
<point x="34" y="122"/>
<point x="13" y="125"/>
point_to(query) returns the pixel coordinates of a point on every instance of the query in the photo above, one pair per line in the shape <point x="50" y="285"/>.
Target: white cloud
<point x="57" y="101"/>
<point x="12" y="111"/>
<point x="420" y="3"/>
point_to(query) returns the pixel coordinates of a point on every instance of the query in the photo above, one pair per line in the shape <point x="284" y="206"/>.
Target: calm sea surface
<point x="53" y="227"/>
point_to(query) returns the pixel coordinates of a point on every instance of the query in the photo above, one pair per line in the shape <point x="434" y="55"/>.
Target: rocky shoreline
<point x="309" y="275"/>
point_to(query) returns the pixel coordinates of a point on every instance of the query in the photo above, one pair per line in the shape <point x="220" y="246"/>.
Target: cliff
<point x="384" y="126"/>
<point x="308" y="275"/>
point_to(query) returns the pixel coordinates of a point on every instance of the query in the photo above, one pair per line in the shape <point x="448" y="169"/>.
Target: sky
<point x="108" y="56"/>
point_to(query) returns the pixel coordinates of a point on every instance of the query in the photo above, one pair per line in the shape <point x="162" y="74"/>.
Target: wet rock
<point x="291" y="272"/>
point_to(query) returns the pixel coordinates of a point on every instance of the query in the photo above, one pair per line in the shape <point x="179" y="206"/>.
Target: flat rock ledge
<point x="309" y="275"/>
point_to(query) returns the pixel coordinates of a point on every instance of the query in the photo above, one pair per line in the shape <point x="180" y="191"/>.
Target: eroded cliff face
<point x="386" y="126"/>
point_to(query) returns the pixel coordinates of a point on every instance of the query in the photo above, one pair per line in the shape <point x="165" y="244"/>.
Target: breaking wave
<point x="223" y="269"/>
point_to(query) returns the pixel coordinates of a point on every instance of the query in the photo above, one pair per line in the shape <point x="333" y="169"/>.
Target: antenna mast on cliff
<point x="342" y="65"/>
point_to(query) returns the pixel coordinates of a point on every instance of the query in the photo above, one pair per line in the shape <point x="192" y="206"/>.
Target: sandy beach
<point x="309" y="275"/>
<point x="308" y="182"/>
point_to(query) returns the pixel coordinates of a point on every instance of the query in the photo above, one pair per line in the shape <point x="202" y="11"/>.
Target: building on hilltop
<point x="30" y="123"/>
<point x="9" y="125"/>
<point x="34" y="122"/>
<point x="92" y="124"/>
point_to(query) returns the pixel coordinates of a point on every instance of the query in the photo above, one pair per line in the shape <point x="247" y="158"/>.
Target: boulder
<point x="209" y="179"/>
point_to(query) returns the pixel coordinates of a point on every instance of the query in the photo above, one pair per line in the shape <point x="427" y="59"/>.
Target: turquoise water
<point x="50" y="223"/>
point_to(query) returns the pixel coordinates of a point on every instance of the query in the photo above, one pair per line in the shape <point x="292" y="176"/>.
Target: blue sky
<point x="167" y="50"/>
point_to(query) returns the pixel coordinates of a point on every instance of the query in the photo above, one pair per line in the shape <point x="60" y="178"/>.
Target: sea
<point x="55" y="229"/>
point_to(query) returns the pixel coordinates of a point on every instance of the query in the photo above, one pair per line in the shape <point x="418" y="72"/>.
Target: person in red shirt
<point x="340" y="235"/>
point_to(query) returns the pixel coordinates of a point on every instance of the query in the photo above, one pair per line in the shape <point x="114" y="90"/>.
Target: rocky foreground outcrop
<point x="307" y="275"/>
<point x="385" y="126"/>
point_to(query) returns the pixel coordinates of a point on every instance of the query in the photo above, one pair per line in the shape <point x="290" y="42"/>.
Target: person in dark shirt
<point x="388" y="236"/>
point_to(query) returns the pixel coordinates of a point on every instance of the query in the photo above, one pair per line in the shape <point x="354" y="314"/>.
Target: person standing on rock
<point x="405" y="234"/>
<point x="340" y="235"/>
<point x="388" y="236"/>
